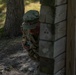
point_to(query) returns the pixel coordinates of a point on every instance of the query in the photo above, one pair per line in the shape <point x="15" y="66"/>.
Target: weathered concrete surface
<point x="60" y="13"/>
<point x="59" y="2"/>
<point x="52" y="43"/>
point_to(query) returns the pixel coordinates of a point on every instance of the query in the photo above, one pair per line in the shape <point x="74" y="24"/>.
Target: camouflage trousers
<point x="30" y="43"/>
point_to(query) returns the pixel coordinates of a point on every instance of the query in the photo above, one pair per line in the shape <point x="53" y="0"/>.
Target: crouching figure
<point x="30" y="29"/>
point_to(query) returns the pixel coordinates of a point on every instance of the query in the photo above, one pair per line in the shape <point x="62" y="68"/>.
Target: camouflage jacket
<point x="30" y="40"/>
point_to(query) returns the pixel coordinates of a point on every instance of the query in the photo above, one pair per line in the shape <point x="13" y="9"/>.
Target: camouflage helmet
<point x="30" y="16"/>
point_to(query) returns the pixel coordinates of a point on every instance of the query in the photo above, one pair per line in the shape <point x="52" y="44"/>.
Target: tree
<point x="14" y="14"/>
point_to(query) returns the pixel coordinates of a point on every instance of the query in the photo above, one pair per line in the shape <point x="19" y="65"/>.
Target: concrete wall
<point x="52" y="42"/>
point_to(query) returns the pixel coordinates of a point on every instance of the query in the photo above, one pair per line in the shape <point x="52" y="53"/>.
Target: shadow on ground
<point x="14" y="60"/>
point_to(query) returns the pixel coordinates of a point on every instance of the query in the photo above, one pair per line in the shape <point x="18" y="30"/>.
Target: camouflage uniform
<point x="30" y="30"/>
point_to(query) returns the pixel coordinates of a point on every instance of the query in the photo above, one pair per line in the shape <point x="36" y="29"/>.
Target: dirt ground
<point x="14" y="60"/>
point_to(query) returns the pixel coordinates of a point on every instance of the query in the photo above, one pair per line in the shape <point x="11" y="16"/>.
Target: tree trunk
<point x="14" y="14"/>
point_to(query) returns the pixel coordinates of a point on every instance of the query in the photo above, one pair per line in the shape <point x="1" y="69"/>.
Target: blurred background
<point x="28" y="5"/>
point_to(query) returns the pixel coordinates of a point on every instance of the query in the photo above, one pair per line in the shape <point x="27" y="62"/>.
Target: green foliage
<point x="2" y="19"/>
<point x="2" y="5"/>
<point x="2" y="12"/>
<point x="2" y="1"/>
<point x="1" y="32"/>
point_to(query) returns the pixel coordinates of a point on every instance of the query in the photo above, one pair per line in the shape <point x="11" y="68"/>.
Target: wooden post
<point x="70" y="56"/>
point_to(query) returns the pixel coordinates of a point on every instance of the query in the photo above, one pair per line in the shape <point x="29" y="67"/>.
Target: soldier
<point x="30" y="30"/>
